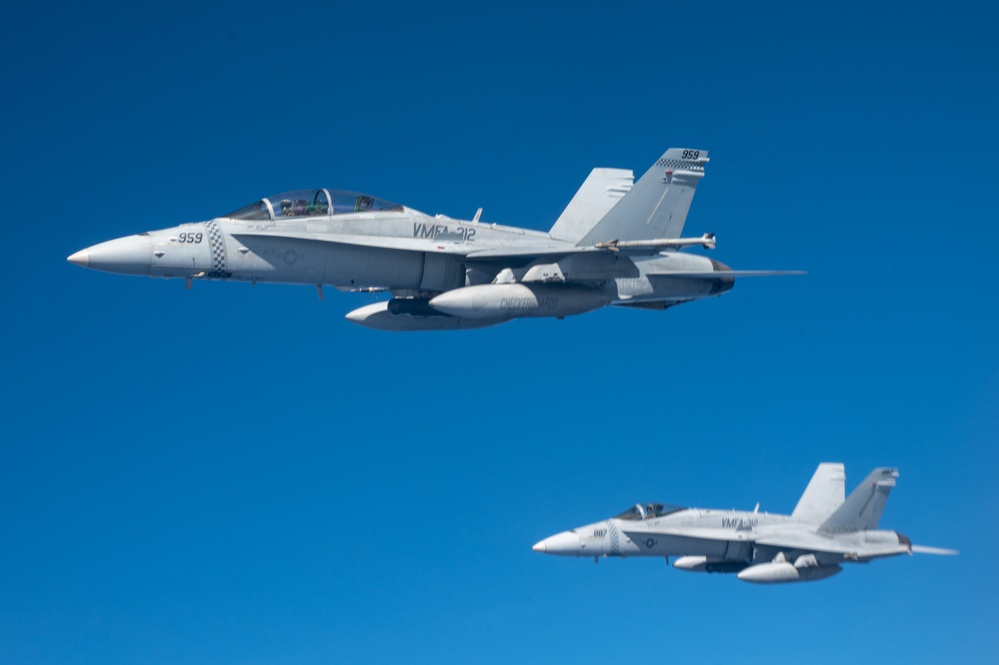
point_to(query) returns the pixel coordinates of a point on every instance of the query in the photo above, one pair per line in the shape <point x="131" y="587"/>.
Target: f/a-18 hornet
<point x="823" y="532"/>
<point x="616" y="243"/>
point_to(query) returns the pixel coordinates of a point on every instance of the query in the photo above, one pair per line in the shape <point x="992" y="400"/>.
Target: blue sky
<point x="235" y="474"/>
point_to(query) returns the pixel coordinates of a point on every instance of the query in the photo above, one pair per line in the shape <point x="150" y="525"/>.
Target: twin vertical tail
<point x="862" y="509"/>
<point x="824" y="494"/>
<point x="657" y="205"/>
<point x="600" y="192"/>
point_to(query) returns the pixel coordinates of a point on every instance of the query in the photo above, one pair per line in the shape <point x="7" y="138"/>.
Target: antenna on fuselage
<point x="478" y="216"/>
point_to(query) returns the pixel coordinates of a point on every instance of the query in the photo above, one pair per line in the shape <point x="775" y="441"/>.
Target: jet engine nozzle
<point x="723" y="284"/>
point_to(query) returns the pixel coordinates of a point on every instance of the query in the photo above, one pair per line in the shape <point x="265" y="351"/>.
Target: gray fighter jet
<point x="616" y="243"/>
<point x="823" y="532"/>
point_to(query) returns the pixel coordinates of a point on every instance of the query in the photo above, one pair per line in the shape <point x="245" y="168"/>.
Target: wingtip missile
<point x="707" y="241"/>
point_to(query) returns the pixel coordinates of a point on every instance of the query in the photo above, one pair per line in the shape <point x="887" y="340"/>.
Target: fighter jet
<point x="617" y="243"/>
<point x="823" y="532"/>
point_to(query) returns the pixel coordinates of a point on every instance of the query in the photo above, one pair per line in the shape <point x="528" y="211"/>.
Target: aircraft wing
<point x="517" y="254"/>
<point x="849" y="548"/>
<point x="512" y="255"/>
<point x="786" y="540"/>
<point x="641" y="531"/>
<point x="439" y="245"/>
<point x="527" y="252"/>
<point x="627" y="248"/>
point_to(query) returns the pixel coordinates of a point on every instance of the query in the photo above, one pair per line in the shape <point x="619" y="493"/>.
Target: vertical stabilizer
<point x="862" y="509"/>
<point x="600" y="192"/>
<point x="656" y="207"/>
<point x="824" y="494"/>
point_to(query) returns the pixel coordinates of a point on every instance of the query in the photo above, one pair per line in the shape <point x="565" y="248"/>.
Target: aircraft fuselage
<point x="616" y="243"/>
<point x="354" y="252"/>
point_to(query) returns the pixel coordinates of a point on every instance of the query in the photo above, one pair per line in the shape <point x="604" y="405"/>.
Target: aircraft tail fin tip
<point x="657" y="206"/>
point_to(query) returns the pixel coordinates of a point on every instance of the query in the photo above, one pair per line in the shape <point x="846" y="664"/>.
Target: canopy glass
<point x="647" y="511"/>
<point x="311" y="203"/>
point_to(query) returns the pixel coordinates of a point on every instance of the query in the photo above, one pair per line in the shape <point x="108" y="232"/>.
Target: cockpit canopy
<point x="311" y="203"/>
<point x="646" y="511"/>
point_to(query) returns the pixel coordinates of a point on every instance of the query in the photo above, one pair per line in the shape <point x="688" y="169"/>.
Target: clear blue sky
<point x="235" y="474"/>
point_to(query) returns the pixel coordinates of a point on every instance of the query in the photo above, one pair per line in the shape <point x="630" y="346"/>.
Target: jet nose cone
<point x="130" y="255"/>
<point x="81" y="258"/>
<point x="566" y="542"/>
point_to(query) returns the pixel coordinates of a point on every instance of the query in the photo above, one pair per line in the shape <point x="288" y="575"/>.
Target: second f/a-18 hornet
<point x="616" y="243"/>
<point x="823" y="532"/>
